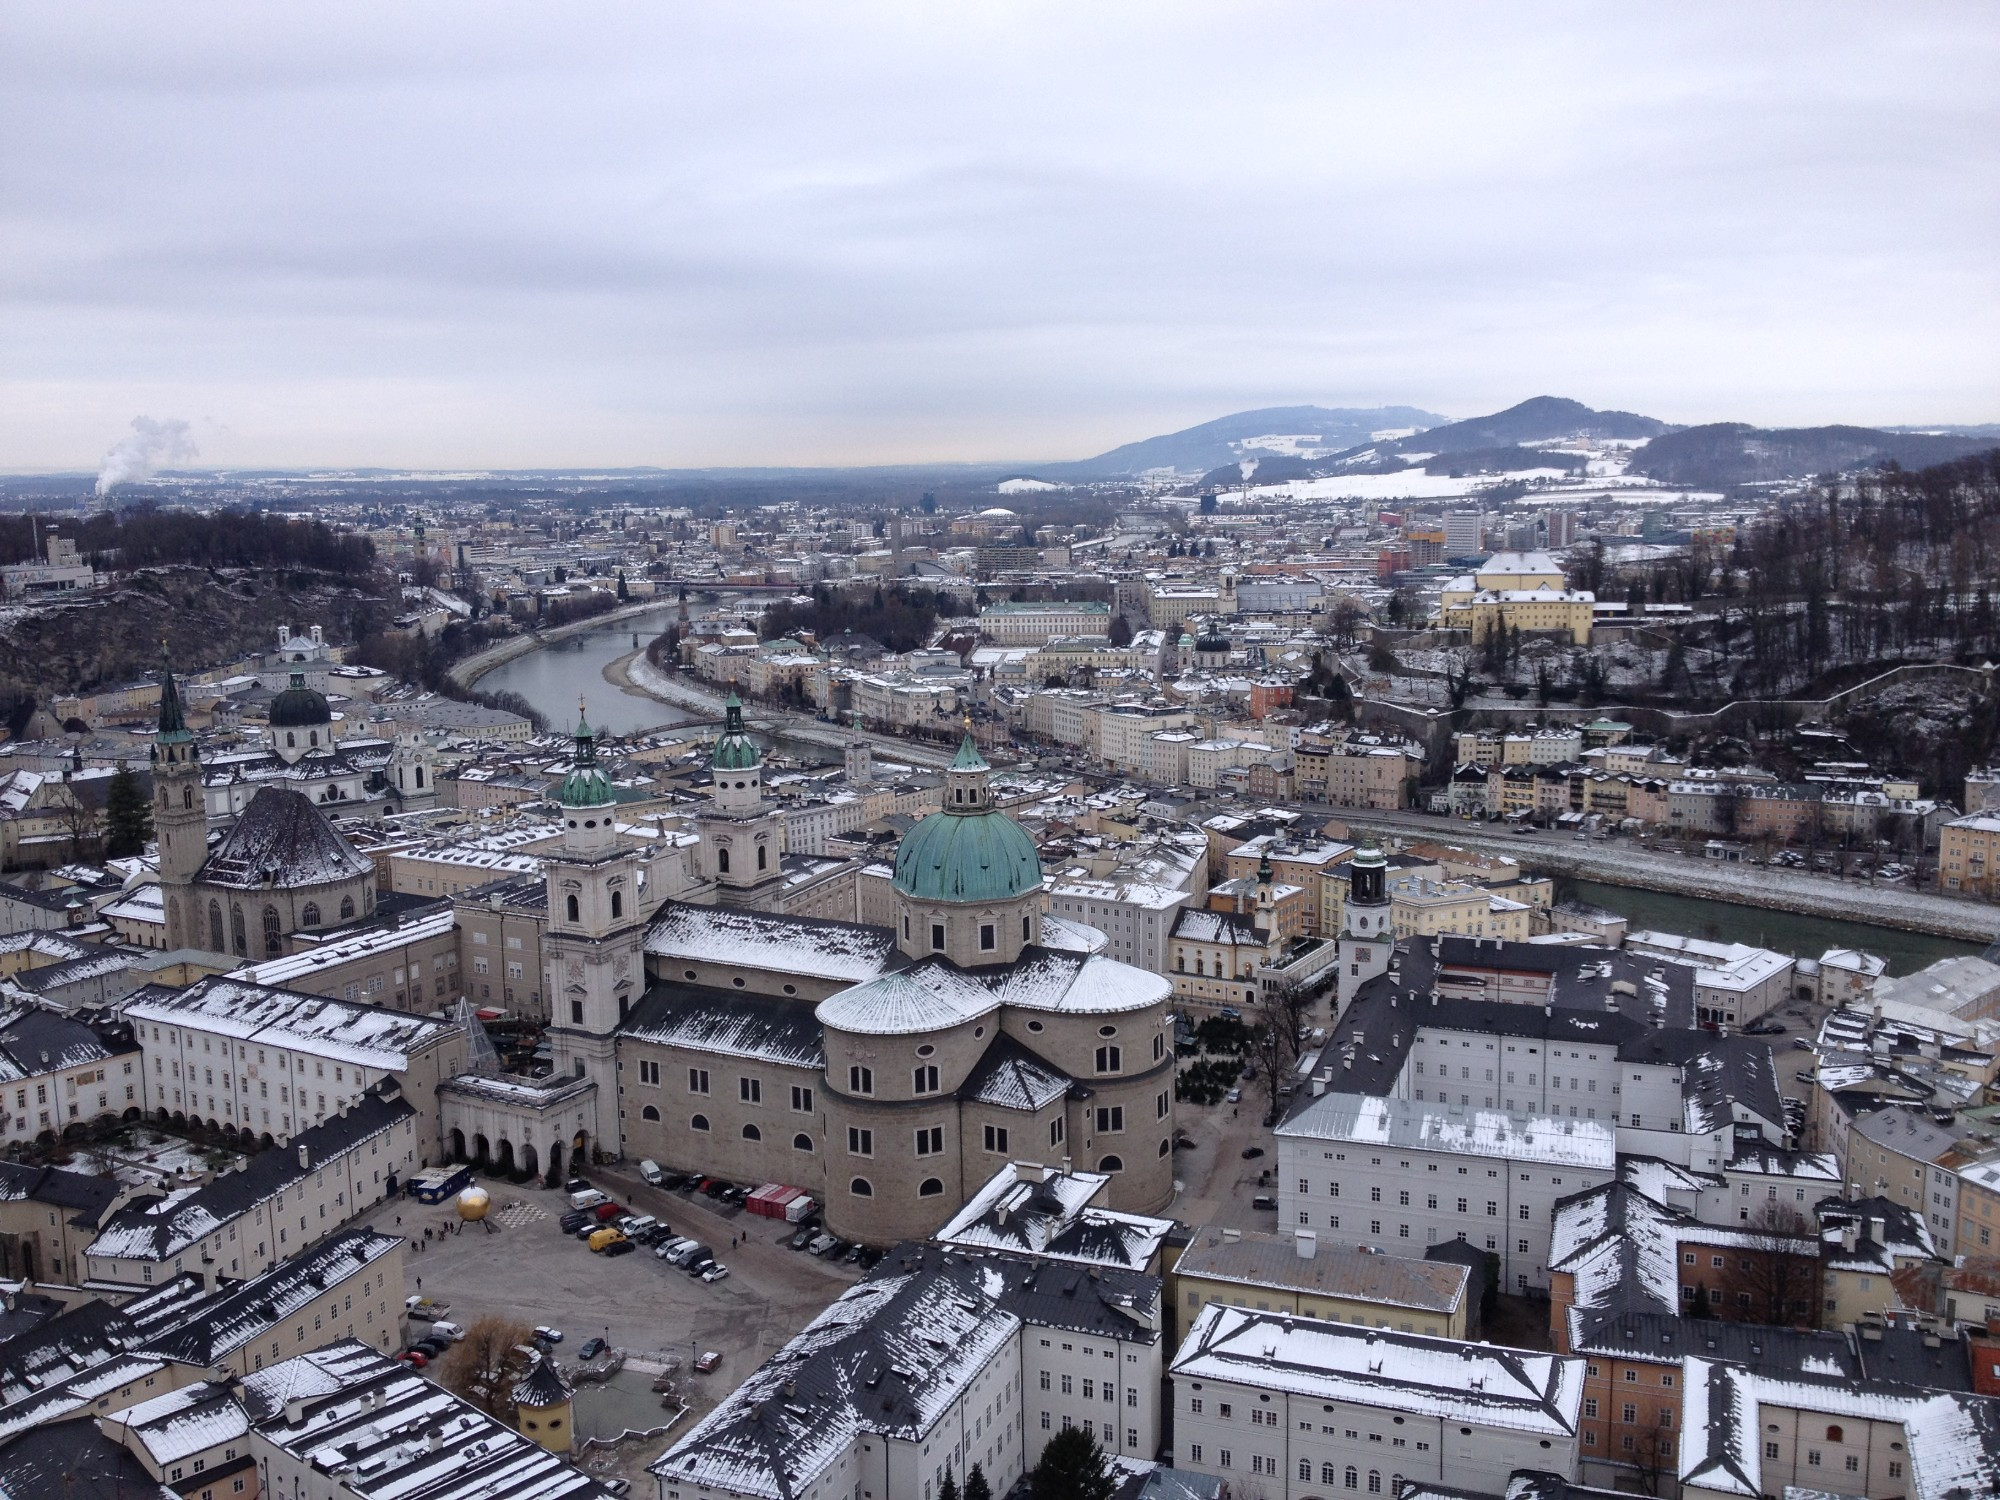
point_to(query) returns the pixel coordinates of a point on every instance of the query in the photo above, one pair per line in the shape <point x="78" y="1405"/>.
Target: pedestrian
<point x="420" y="1283"/>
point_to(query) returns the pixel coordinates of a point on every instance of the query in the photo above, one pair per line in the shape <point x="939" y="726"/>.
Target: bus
<point x="435" y="1184"/>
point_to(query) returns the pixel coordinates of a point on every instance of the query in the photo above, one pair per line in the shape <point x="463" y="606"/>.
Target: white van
<point x="587" y="1198"/>
<point x="650" y="1170"/>
<point x="444" y="1330"/>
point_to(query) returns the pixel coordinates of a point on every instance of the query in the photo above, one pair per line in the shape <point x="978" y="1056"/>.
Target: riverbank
<point x="1620" y="863"/>
<point x="476" y="666"/>
<point x="633" y="673"/>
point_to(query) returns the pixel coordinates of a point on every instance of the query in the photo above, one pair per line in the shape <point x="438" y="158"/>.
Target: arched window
<point x="187" y="796"/>
<point x="861" y="1187"/>
<point x="931" y="1188"/>
<point x="236" y="938"/>
<point x="762" y="853"/>
<point x="1180" y="962"/>
<point x="309" y="914"/>
<point x="649" y="1113"/>
<point x="291" y="740"/>
<point x="1111" y="1164"/>
<point x="699" y="1122"/>
<point x="346" y="908"/>
<point x="1305" y="1471"/>
<point x="617" y="903"/>
<point x="570" y="907"/>
<point x="802" y="1142"/>
<point x="752" y="1133"/>
<point x="1352" y="1480"/>
<point x="1328" y="1474"/>
<point x="215" y="927"/>
<point x="420" y="778"/>
<point x="1833" y="1434"/>
<point x="722" y="861"/>
<point x="315" y="738"/>
<point x="1374" y="1481"/>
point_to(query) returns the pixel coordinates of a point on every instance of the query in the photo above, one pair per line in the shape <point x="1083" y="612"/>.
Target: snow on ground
<point x="1017" y="486"/>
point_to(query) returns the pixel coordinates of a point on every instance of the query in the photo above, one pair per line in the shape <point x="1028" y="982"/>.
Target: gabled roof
<point x="282" y="841"/>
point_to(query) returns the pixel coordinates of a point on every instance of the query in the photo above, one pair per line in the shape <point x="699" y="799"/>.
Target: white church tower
<point x="595" y="941"/>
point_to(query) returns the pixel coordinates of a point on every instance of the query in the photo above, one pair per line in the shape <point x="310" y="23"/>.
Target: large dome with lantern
<point x="971" y="851"/>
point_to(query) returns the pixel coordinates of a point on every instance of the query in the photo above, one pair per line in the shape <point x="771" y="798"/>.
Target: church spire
<point x="173" y="719"/>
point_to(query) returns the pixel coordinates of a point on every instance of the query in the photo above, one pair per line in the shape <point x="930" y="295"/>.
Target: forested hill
<point x="1720" y="454"/>
<point x="146" y="537"/>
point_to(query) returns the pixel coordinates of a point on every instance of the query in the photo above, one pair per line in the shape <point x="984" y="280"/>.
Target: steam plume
<point x="152" y="446"/>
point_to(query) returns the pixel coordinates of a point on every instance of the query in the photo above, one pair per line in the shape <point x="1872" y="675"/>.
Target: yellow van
<point x="604" y="1237"/>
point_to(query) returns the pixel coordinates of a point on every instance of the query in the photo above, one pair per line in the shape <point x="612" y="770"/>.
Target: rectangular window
<point x="986" y="937"/>
<point x="1109" y="1059"/>
<point x="930" y="1141"/>
<point x="996" y="1139"/>
<point x="1110" y="1119"/>
<point x="697" y="1080"/>
<point x="860" y="1080"/>
<point x="924" y="1079"/>
<point x="649" y="1073"/>
<point x="750" y="1090"/>
<point x="1057" y="1130"/>
<point x="802" y="1099"/>
<point x="937" y="937"/>
<point x="860" y="1142"/>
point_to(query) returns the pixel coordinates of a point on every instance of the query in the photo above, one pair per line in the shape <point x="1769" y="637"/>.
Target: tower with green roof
<point x="742" y="836"/>
<point x="593" y="953"/>
<point x="968" y="881"/>
<point x="180" y="811"/>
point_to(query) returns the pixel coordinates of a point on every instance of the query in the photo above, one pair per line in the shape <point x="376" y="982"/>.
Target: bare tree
<point x="1773" y="1274"/>
<point x="483" y="1366"/>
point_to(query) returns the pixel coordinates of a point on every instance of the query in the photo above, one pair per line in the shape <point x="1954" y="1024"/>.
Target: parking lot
<point x="525" y="1268"/>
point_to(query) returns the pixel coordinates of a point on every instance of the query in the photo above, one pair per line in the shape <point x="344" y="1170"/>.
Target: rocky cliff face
<point x="206" y="617"/>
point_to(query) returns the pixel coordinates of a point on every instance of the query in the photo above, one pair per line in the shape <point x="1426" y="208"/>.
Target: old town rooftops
<point x="934" y="994"/>
<point x="1366" y="1120"/>
<point x="1029" y="1209"/>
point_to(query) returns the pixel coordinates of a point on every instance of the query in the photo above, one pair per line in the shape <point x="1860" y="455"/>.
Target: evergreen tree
<point x="949" y="1489"/>
<point x="623" y="592"/>
<point x="976" y="1487"/>
<point x="1121" y="631"/>
<point x="128" y="820"/>
<point x="1071" y="1468"/>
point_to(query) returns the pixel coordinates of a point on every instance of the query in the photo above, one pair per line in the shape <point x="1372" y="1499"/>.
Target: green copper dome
<point x="970" y="852"/>
<point x="735" y="751"/>
<point x="586" y="785"/>
<point x="299" y="707"/>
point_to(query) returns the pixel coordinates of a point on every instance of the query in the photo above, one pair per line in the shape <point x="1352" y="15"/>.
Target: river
<point x="552" y="677"/>
<point x="1787" y="932"/>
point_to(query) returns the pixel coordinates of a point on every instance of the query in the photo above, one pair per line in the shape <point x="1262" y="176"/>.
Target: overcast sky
<point x="498" y="235"/>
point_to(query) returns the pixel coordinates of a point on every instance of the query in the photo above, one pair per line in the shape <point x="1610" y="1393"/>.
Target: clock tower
<point x="180" y="816"/>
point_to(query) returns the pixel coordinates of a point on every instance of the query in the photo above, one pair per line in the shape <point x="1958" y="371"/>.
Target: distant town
<point x="1429" y="959"/>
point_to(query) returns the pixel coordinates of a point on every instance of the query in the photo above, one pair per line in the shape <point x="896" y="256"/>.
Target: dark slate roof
<point x="86" y="1335"/>
<point x="1716" y="1072"/>
<point x="88" y="1197"/>
<point x="708" y="1019"/>
<point x="34" y="1040"/>
<point x="1908" y="1356"/>
<point x="1011" y="1076"/>
<point x="74" y="1461"/>
<point x="159" y="1227"/>
<point x="1200" y="925"/>
<point x="1650" y="990"/>
<point x="1640" y="1333"/>
<point x="283" y="840"/>
<point x="25" y="1312"/>
<point x="225" y="1320"/>
<point x="544" y="1385"/>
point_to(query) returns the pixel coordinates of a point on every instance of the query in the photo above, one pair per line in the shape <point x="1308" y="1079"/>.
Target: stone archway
<point x="555" y="1177"/>
<point x="482" y="1151"/>
<point x="457" y="1144"/>
<point x="529" y="1164"/>
<point x="503" y="1163"/>
<point x="579" y="1151"/>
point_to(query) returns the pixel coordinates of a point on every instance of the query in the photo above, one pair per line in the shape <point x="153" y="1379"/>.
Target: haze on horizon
<point x="523" y="236"/>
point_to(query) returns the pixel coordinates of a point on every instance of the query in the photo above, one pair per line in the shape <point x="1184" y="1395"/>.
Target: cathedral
<point x="885" y="1070"/>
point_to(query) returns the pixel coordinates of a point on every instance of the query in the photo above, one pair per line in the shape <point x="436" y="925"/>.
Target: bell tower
<point x="742" y="836"/>
<point x="1368" y="930"/>
<point x="593" y="947"/>
<point x="180" y="814"/>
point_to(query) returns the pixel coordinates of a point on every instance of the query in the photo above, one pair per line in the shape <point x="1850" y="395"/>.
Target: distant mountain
<point x="1542" y="419"/>
<point x="1271" y="432"/>
<point x="1720" y="454"/>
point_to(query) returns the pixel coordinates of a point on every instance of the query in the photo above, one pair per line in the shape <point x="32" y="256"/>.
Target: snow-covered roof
<point x="226" y="1005"/>
<point x="1491" y="1133"/>
<point x="935" y="994"/>
<point x="284" y="842"/>
<point x="1433" y="1378"/>
<point x="1029" y="1209"/>
<point x="761" y="940"/>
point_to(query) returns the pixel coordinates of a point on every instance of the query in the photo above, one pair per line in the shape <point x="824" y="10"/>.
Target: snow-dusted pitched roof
<point x="1029" y="1209"/>
<point x="935" y="994"/>
<point x="1490" y="1133"/>
<point x="760" y="940"/>
<point x="366" y="1035"/>
<point x="282" y="841"/>
<point x="764" y="1027"/>
<point x="1435" y="1378"/>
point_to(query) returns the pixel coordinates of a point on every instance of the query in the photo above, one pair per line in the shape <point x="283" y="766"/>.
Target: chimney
<point x="1850" y="1234"/>
<point x="295" y="1410"/>
<point x="305" y="1156"/>
<point x="1876" y="1231"/>
<point x="1307" y="1243"/>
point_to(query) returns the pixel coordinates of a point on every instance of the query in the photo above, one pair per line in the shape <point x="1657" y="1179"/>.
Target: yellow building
<point x="1294" y="1273"/>
<point x="1419" y="907"/>
<point x="1969" y="853"/>
<point x="543" y="1406"/>
<point x="1522" y="591"/>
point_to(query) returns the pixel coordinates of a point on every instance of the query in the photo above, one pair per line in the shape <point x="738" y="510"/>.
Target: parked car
<point x="617" y="1484"/>
<point x="698" y="1262"/>
<point x="416" y="1359"/>
<point x="574" y="1220"/>
<point x="592" y="1347"/>
<point x="803" y="1236"/>
<point x="619" y="1247"/>
<point x="708" y="1361"/>
<point x="430" y="1348"/>
<point x="1251" y="1153"/>
<point x="587" y="1198"/>
<point x="547" y="1334"/>
<point x="714" y="1272"/>
<point x="666" y="1249"/>
<point x="650" y="1170"/>
<point x="443" y="1330"/>
<point x="605" y="1238"/>
<point x="608" y="1211"/>
<point x="1264" y="1201"/>
<point x="1234" y="1096"/>
<point x="577" y="1185"/>
<point x="1805" y="1075"/>
<point x="822" y="1242"/>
